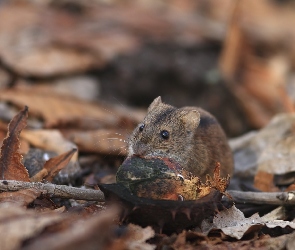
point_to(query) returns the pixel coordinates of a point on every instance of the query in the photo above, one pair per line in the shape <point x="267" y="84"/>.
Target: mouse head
<point x="165" y="132"/>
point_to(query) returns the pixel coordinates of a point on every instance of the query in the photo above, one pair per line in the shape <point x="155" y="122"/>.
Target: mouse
<point x="190" y="136"/>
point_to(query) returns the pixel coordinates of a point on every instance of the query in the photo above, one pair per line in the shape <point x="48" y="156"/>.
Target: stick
<point x="58" y="191"/>
<point x="63" y="191"/>
<point x="265" y="198"/>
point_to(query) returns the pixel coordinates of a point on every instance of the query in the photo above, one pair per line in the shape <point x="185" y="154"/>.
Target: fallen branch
<point x="58" y="191"/>
<point x="265" y="198"/>
<point x="66" y="192"/>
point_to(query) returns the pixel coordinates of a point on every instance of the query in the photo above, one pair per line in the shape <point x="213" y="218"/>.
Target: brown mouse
<point x="189" y="135"/>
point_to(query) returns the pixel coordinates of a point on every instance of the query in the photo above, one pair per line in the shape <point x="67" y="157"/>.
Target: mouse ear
<point x="155" y="103"/>
<point x="191" y="118"/>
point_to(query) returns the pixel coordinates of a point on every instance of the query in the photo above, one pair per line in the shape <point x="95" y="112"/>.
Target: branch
<point x="66" y="192"/>
<point x="59" y="191"/>
<point x="265" y="198"/>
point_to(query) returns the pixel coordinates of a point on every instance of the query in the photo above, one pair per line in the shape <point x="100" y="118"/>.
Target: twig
<point x="265" y="198"/>
<point x="63" y="191"/>
<point x="60" y="191"/>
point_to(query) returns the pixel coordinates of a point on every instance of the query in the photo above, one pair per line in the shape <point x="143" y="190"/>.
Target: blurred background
<point x="233" y="58"/>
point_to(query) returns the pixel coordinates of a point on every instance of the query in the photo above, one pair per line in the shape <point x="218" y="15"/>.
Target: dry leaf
<point x="249" y="149"/>
<point x="21" y="197"/>
<point x="40" y="57"/>
<point x="95" y="232"/>
<point x="233" y="223"/>
<point x="51" y="140"/>
<point x="81" y="87"/>
<point x="103" y="141"/>
<point x="66" y="44"/>
<point x="265" y="182"/>
<point x="39" y="176"/>
<point x="18" y="225"/>
<point x="135" y="238"/>
<point x="278" y="158"/>
<point x="54" y="165"/>
<point x="11" y="167"/>
<point x="57" y="110"/>
<point x="259" y="82"/>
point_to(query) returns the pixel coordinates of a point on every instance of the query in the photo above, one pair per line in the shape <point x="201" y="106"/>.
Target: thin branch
<point x="265" y="198"/>
<point x="66" y="192"/>
<point x="60" y="191"/>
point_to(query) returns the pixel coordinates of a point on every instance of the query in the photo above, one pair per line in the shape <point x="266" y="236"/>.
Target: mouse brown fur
<point x="190" y="136"/>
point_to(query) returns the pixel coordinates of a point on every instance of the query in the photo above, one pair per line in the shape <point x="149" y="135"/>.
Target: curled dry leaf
<point x="11" y="167"/>
<point x="53" y="166"/>
<point x="52" y="140"/>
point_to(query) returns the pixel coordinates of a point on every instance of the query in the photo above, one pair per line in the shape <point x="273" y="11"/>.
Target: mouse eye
<point x="165" y="134"/>
<point x="141" y="127"/>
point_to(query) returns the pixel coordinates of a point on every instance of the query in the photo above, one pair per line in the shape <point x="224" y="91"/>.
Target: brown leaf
<point x="19" y="225"/>
<point x="233" y="223"/>
<point x="95" y="232"/>
<point x="64" y="110"/>
<point x="258" y="84"/>
<point x="10" y="161"/>
<point x="103" y="141"/>
<point x="48" y="139"/>
<point x="39" y="176"/>
<point x="135" y="238"/>
<point x="21" y="197"/>
<point x="291" y="188"/>
<point x="265" y="182"/>
<point x="54" y="165"/>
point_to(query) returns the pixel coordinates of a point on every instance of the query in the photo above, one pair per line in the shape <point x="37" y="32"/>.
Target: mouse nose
<point x="140" y="149"/>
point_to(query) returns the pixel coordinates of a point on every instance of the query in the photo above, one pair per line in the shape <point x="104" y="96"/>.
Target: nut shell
<point x="153" y="178"/>
<point x="149" y="192"/>
<point x="164" y="215"/>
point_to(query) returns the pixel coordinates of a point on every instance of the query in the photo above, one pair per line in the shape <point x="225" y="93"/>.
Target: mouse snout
<point x="140" y="149"/>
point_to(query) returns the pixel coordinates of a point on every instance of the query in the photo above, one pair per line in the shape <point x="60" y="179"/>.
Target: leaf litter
<point x="256" y="57"/>
<point x="233" y="223"/>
